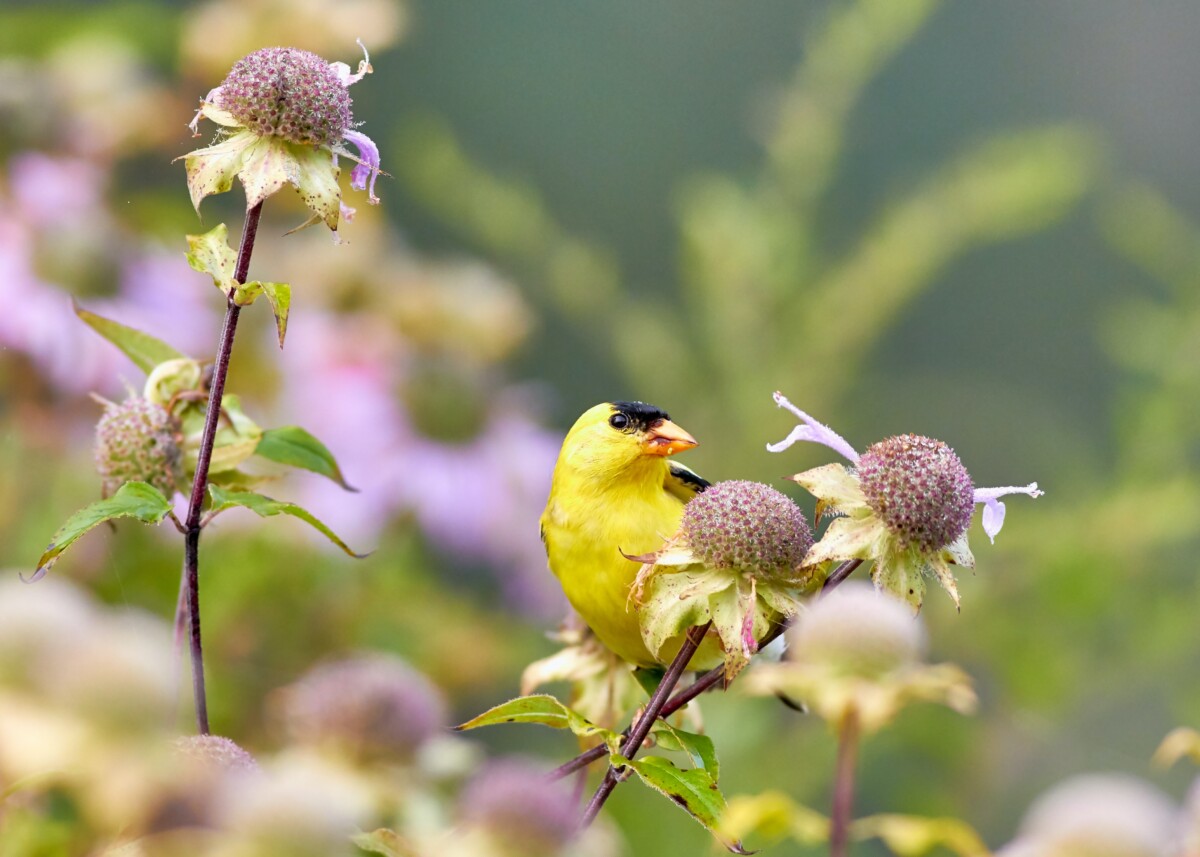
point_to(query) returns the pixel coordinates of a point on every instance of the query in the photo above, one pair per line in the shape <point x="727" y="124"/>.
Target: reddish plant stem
<point x="704" y="683"/>
<point x="652" y="712"/>
<point x="191" y="542"/>
<point x="843" y="786"/>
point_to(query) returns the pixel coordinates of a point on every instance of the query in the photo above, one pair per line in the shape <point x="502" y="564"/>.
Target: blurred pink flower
<point x="479" y="500"/>
<point x="46" y="189"/>
<point x="157" y="291"/>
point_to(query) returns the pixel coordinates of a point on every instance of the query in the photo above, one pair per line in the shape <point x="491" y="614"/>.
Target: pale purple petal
<point x="993" y="509"/>
<point x="343" y="70"/>
<point x="813" y="432"/>
<point x="368" y="167"/>
<point x="211" y="98"/>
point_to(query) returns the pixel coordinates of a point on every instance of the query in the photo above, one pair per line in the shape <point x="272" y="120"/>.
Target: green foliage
<point x="211" y="254"/>
<point x="694" y="791"/>
<point x="144" y="350"/>
<point x="545" y="710"/>
<point x="265" y="507"/>
<point x="295" y="447"/>
<point x="132" y="500"/>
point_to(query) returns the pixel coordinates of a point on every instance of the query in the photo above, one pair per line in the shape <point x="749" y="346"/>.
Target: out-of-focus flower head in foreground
<point x="1102" y="814"/>
<point x="905" y="504"/>
<point x="285" y="119"/>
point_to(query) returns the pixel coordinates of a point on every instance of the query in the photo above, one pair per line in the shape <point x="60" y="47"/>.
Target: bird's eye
<point x="618" y="421"/>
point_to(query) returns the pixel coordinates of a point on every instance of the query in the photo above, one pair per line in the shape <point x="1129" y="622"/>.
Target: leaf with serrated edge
<point x="700" y="748"/>
<point x="211" y="254"/>
<point x="143" y="349"/>
<point x="694" y="791"/>
<point x="265" y="507"/>
<point x="295" y="447"/>
<point x="542" y="709"/>
<point x="131" y="500"/>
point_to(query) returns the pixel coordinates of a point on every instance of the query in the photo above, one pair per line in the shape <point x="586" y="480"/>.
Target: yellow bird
<point x="616" y="493"/>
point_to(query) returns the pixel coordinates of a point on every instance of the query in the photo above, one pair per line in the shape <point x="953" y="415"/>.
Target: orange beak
<point x="666" y="438"/>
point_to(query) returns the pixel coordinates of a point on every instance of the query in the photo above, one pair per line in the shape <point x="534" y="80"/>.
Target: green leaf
<point x="132" y="500"/>
<point x="211" y="254"/>
<point x="700" y="748"/>
<point x="389" y="843"/>
<point x="693" y="791"/>
<point x="265" y="507"/>
<point x="143" y="349"/>
<point x="295" y="447"/>
<point x="543" y="709"/>
<point x="649" y="678"/>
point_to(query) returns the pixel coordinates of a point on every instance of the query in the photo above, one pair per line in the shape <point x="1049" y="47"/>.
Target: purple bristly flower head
<point x="512" y="800"/>
<point x="290" y="93"/>
<point x="811" y="431"/>
<point x="920" y="489"/>
<point x="747" y="527"/>
<point x="138" y="440"/>
<point x="286" y="117"/>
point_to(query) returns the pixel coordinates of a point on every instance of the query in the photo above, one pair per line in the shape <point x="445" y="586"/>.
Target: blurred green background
<point x="972" y="221"/>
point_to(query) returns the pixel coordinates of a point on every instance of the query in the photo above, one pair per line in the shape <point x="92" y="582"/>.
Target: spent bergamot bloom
<point x="285" y="117"/>
<point x="738" y="560"/>
<point x="905" y="504"/>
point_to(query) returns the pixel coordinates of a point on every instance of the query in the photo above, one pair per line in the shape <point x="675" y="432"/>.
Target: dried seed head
<point x="512" y="800"/>
<point x="920" y="489"/>
<point x="290" y="93"/>
<point x="747" y="527"/>
<point x="138" y="440"/>
<point x="858" y="631"/>
<point x="213" y="751"/>
<point x="367" y="706"/>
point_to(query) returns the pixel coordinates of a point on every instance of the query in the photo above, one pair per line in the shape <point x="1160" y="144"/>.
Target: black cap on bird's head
<point x="660" y="435"/>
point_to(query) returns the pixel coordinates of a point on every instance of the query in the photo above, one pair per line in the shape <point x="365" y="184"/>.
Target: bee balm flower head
<point x="905" y="504"/>
<point x="138" y="441"/>
<point x="737" y="560"/>
<point x="286" y="118"/>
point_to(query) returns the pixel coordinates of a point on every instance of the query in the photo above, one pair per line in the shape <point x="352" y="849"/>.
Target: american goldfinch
<point x="617" y="494"/>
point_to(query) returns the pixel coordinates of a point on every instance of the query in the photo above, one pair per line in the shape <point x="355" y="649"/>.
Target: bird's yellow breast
<point x="587" y="526"/>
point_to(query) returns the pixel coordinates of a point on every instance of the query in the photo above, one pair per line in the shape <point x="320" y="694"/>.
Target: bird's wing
<point x="683" y="482"/>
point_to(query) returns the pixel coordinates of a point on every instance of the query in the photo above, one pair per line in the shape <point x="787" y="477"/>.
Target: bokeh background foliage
<point x="973" y="222"/>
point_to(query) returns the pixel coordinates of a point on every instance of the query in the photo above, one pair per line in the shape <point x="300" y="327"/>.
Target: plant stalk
<point x="843" y="786"/>
<point x="653" y="711"/>
<point x="191" y="543"/>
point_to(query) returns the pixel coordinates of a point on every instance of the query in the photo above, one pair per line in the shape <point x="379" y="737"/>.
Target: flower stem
<point x="652" y="712"/>
<point x="191" y="543"/>
<point x="704" y="683"/>
<point x="843" y="786"/>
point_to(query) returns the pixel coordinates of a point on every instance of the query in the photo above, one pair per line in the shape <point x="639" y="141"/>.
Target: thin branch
<point x="652" y="712"/>
<point x="191" y="545"/>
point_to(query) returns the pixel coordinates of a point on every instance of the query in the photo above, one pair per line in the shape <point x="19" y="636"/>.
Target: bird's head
<point x="616" y="435"/>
